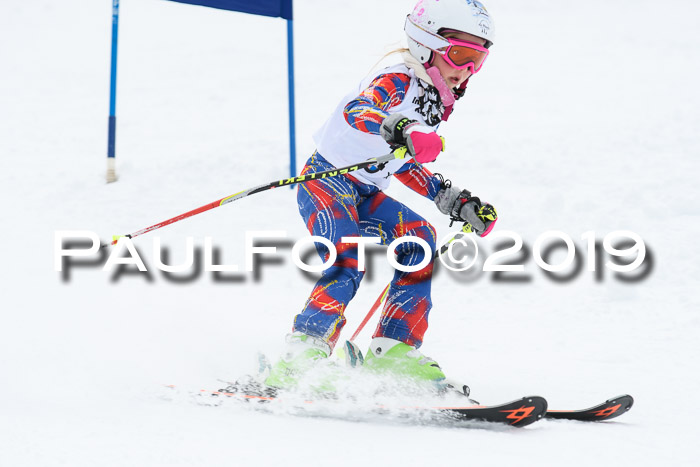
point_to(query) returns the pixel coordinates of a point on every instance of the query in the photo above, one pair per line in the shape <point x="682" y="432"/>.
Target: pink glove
<point x="422" y="142"/>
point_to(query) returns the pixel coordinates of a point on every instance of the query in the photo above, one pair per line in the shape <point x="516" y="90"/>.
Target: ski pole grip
<point x="400" y="152"/>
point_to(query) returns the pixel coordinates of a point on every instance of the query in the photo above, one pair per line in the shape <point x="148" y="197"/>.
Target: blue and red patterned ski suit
<point x="343" y="206"/>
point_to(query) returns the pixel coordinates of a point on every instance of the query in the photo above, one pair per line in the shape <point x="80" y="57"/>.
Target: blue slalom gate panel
<point x="274" y="8"/>
<point x="271" y="8"/>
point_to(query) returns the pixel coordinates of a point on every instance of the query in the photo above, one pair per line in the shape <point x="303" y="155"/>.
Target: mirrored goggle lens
<point x="462" y="56"/>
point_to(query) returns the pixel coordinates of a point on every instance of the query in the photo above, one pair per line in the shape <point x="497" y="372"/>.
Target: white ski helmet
<point x="429" y="17"/>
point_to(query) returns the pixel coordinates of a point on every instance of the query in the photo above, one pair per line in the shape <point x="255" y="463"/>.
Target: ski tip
<point x="518" y="413"/>
<point x="533" y="409"/>
<point x="620" y="404"/>
<point x="611" y="408"/>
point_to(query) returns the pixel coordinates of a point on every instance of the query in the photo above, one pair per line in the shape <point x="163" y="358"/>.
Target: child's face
<point x="453" y="77"/>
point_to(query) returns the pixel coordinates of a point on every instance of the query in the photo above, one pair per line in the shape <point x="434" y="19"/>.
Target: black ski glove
<point x="461" y="206"/>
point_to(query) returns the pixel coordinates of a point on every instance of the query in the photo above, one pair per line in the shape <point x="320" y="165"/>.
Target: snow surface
<point x="585" y="118"/>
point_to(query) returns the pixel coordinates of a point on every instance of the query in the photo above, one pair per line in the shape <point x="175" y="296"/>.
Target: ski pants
<point x="341" y="206"/>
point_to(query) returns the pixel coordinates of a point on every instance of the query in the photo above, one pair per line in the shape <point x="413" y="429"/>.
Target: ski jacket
<point x="351" y="134"/>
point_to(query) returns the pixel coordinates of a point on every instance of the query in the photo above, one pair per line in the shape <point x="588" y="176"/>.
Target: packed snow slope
<point x="584" y="118"/>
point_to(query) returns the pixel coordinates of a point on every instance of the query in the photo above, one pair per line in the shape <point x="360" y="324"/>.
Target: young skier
<point x="401" y="105"/>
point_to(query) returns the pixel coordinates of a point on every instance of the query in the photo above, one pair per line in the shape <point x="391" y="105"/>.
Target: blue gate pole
<point x="292" y="131"/>
<point x="112" y="124"/>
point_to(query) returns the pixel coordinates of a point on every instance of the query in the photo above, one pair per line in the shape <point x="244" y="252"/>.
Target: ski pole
<point x="465" y="229"/>
<point x="371" y="312"/>
<point x="398" y="153"/>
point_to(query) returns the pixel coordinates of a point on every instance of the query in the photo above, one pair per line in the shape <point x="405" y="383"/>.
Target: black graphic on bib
<point x="429" y="103"/>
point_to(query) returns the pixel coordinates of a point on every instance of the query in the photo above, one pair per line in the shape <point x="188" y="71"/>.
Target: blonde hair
<point x="392" y="52"/>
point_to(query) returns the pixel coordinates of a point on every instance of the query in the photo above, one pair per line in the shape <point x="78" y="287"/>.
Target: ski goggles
<point x="458" y="54"/>
<point x="462" y="54"/>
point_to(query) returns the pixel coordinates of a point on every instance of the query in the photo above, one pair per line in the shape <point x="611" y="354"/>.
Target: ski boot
<point x="399" y="359"/>
<point x="302" y="353"/>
